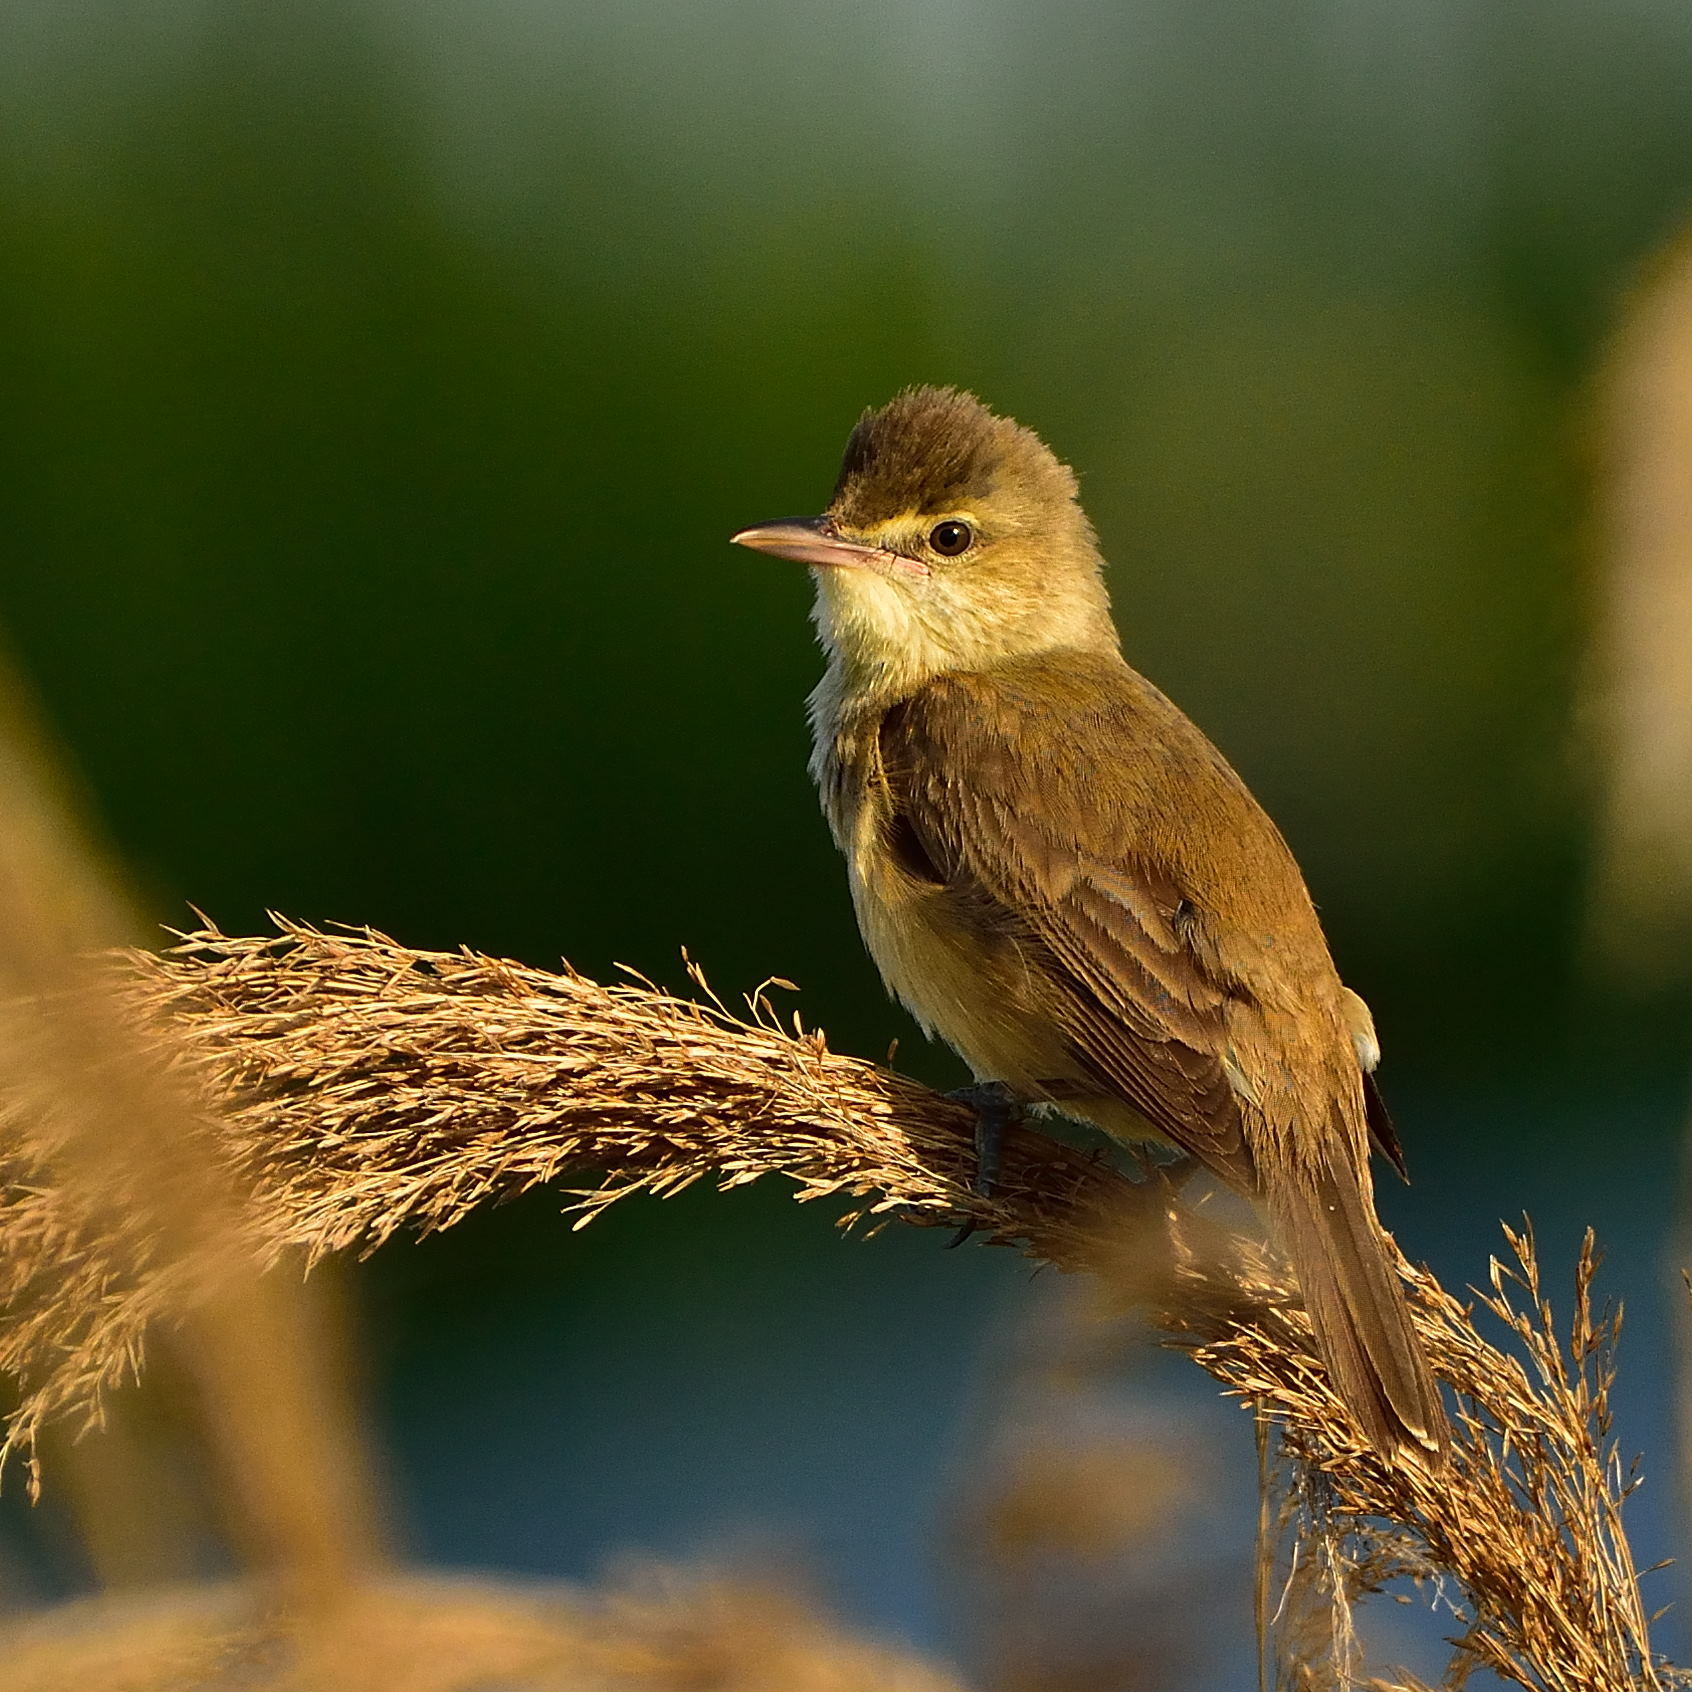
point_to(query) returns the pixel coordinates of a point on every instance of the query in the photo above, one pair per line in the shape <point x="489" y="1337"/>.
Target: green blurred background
<point x="382" y="380"/>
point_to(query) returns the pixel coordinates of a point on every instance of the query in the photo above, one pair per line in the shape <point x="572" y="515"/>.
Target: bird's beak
<point x="814" y="540"/>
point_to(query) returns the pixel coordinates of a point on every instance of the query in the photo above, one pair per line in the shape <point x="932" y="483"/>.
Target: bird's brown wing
<point x="1135" y="1005"/>
<point x="1077" y="811"/>
<point x="1054" y="832"/>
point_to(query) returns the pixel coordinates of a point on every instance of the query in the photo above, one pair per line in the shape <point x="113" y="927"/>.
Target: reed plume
<point x="360" y="1088"/>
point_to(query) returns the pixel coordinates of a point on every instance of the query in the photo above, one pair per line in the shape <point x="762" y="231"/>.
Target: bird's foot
<point x="997" y="1111"/>
<point x="1175" y="1171"/>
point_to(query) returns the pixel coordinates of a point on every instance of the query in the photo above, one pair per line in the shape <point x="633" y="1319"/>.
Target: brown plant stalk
<point x="359" y="1088"/>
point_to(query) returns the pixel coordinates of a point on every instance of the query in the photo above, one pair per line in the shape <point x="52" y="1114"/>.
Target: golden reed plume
<point x="124" y="1224"/>
<point x="357" y="1088"/>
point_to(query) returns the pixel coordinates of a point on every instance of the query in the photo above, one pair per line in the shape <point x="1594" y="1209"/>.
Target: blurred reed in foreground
<point x="362" y="1087"/>
<point x="89" y="1112"/>
<point x="126" y="1218"/>
<point x="1098" y="1521"/>
<point x="652" y="1632"/>
<point x="1639" y="915"/>
<point x="1641" y="662"/>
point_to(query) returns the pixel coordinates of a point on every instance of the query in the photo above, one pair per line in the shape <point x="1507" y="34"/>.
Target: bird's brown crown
<point x="936" y="450"/>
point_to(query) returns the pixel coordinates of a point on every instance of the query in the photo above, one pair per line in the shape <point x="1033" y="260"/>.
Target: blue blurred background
<point x="381" y="382"/>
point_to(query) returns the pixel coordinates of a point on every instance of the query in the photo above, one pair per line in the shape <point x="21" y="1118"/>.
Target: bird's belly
<point x="976" y="990"/>
<point x="965" y="984"/>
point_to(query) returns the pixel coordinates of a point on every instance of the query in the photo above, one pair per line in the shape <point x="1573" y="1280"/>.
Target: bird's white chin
<point x="885" y="630"/>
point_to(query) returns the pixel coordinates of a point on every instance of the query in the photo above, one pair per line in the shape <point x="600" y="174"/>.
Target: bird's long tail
<point x="1357" y="1306"/>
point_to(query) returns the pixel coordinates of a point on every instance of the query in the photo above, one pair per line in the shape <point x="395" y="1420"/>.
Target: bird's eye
<point x="951" y="538"/>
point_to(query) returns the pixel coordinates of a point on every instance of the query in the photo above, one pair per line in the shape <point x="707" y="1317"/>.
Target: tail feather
<point x="1358" y="1309"/>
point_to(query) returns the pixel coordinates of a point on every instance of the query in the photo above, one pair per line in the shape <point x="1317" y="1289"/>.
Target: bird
<point x="1063" y="879"/>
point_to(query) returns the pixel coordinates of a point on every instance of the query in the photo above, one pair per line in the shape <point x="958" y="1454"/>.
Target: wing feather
<point x="1140" y="1006"/>
<point x="1183" y="964"/>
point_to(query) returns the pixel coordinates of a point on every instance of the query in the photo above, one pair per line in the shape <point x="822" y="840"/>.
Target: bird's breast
<point x="966" y="980"/>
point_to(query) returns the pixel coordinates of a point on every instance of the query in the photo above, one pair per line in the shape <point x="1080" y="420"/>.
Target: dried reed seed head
<point x="361" y="1088"/>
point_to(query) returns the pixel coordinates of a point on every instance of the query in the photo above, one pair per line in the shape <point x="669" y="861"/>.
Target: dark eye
<point x="951" y="538"/>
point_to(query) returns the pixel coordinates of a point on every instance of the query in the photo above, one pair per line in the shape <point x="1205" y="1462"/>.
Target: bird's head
<point x="953" y="541"/>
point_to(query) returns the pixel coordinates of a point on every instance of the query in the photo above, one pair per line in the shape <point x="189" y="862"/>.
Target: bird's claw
<point x="1175" y="1172"/>
<point x="997" y="1111"/>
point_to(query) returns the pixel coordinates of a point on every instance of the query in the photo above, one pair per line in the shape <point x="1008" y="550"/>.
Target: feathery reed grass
<point x="120" y="1212"/>
<point x="116" y="1205"/>
<point x="360" y="1087"/>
